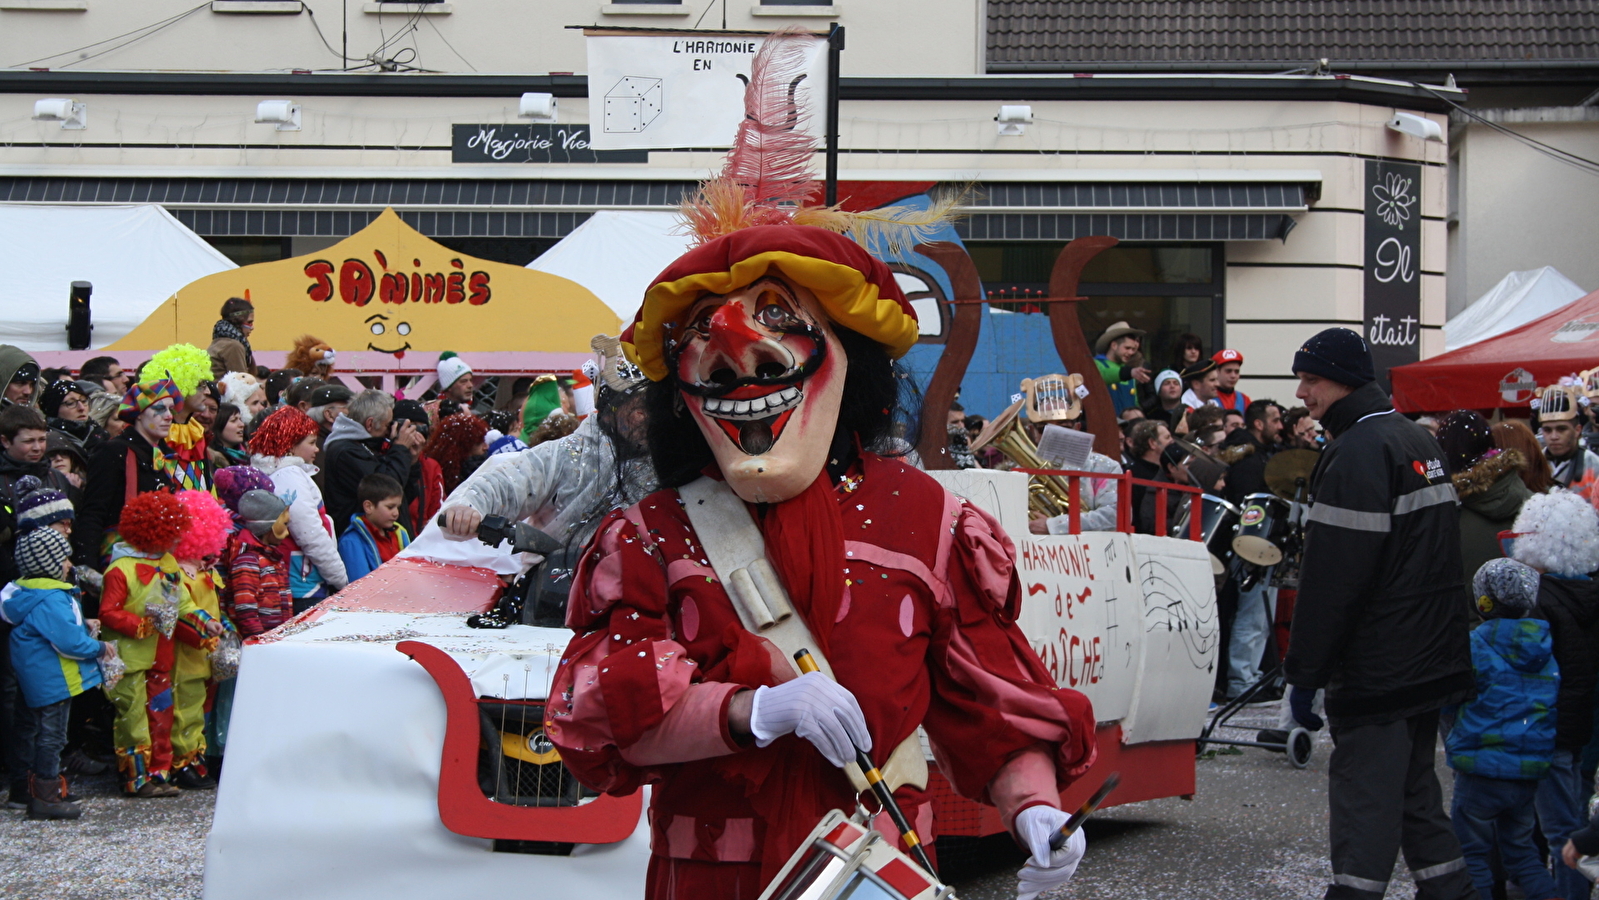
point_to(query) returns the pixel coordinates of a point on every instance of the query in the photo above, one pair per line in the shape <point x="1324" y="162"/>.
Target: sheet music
<point x="1065" y="448"/>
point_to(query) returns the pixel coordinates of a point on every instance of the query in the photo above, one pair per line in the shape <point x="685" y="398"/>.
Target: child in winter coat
<point x="1502" y="742"/>
<point x="1558" y="534"/>
<point x="197" y="636"/>
<point x="258" y="598"/>
<point x="140" y="603"/>
<point x="283" y="447"/>
<point x="376" y="534"/>
<point x="55" y="656"/>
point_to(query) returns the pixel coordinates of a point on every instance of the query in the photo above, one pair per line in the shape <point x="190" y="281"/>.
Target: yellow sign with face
<point x="387" y="289"/>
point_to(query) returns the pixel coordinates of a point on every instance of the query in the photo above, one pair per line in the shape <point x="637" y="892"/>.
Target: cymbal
<point x="1284" y="471"/>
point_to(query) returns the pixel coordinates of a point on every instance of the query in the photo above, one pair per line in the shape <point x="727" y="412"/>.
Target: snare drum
<point x="1263" y="530"/>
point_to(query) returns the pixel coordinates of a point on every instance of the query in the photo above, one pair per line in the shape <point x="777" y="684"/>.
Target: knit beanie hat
<point x="55" y="392"/>
<point x="39" y="505"/>
<point x="1165" y="376"/>
<point x="1337" y="354"/>
<point x="281" y="431"/>
<point x="1465" y="437"/>
<point x="234" y="481"/>
<point x="1557" y="533"/>
<point x="141" y="396"/>
<point x="261" y="512"/>
<point x="451" y="368"/>
<point x="1505" y="589"/>
<point x="41" y="552"/>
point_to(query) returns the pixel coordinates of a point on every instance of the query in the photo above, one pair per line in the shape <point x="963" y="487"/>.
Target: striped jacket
<point x="257" y="598"/>
<point x="1380" y="621"/>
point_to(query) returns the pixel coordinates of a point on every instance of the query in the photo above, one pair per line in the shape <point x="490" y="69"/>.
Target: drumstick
<point x="1058" y="840"/>
<point x="807" y="664"/>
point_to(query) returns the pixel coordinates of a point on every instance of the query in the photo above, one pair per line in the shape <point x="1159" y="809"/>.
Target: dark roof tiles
<point x="1292" y="31"/>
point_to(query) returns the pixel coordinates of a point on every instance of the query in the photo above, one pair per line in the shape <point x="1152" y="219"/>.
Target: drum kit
<point x="1265" y="535"/>
<point x="1267" y="530"/>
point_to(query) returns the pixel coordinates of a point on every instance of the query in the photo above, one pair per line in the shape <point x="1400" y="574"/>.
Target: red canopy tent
<point x="1503" y="371"/>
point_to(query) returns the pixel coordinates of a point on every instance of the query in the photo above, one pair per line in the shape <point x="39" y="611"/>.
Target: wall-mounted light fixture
<point x="537" y="106"/>
<point x="1416" y="126"/>
<point x="283" y="113"/>
<point x="1013" y="120"/>
<point x="72" y="115"/>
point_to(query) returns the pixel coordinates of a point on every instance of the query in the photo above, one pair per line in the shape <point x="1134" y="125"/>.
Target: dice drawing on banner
<point x="632" y="104"/>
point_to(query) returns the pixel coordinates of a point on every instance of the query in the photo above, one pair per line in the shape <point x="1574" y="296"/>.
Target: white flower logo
<point x="1394" y="199"/>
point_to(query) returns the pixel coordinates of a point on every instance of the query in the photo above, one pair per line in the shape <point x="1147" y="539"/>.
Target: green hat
<point x="543" y="399"/>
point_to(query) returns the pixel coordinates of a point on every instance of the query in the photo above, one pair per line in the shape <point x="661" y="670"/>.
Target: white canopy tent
<point x="617" y="255"/>
<point x="135" y="256"/>
<point x="1516" y="300"/>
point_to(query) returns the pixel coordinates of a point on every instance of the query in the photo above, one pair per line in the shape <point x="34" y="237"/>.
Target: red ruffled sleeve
<point x="627" y="697"/>
<point x="992" y="698"/>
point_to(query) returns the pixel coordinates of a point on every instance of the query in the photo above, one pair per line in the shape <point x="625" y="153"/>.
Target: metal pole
<point x="835" y="43"/>
<point x="344" y="13"/>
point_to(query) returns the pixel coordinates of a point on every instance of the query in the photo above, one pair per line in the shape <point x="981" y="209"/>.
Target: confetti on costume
<point x="141" y="601"/>
<point x="917" y="619"/>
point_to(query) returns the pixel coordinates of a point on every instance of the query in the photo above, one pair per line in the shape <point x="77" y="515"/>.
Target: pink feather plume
<point x="767" y="173"/>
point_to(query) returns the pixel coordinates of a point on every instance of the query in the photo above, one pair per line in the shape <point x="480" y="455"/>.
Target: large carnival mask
<point x="762" y="373"/>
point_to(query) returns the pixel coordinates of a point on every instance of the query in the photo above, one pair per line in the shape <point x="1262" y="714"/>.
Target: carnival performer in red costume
<point x="769" y="347"/>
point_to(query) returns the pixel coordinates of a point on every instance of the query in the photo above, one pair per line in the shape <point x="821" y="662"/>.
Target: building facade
<point x="1251" y="206"/>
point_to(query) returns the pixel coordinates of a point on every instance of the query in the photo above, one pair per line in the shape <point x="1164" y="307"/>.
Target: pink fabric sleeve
<point x="694" y="728"/>
<point x="1026" y="779"/>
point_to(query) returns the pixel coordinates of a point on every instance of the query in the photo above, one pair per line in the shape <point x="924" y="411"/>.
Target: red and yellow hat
<point x="857" y="290"/>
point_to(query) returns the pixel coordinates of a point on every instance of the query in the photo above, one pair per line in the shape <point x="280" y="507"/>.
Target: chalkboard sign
<point x="1393" y="264"/>
<point x="532" y="144"/>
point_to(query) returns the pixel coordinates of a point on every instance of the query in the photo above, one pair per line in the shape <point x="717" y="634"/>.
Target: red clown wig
<point x="153" y="522"/>
<point x="209" y="524"/>
<point x="281" y="432"/>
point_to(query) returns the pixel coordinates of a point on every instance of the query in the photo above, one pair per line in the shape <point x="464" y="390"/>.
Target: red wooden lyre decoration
<point x="465" y="810"/>
<point x="967" y="323"/>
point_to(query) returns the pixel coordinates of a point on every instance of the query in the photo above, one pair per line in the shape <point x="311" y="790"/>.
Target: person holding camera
<point x="1379" y="624"/>
<point x="366" y="438"/>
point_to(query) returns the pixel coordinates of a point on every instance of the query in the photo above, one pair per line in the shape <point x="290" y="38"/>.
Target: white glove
<point x="1045" y="871"/>
<point x="816" y="708"/>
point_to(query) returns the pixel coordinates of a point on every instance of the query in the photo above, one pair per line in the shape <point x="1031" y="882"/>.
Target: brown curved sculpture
<point x="965" y="324"/>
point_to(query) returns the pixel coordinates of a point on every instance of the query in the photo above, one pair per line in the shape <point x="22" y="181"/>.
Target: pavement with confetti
<point x="150" y="849"/>
<point x="1256" y="827"/>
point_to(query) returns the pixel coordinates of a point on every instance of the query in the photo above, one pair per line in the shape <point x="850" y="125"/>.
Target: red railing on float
<point x="1124" y="500"/>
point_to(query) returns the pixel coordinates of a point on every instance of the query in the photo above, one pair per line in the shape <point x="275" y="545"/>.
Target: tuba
<point x="1047" y="494"/>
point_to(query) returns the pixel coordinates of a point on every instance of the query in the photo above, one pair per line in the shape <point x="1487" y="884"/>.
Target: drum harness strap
<point x="737" y="553"/>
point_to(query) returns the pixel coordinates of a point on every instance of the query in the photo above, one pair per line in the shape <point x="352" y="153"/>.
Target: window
<point x="1165" y="289"/>
<point x="796" y="2"/>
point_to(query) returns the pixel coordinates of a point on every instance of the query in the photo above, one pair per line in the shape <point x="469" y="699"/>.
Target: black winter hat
<point x="1464" y="436"/>
<point x="1337" y="354"/>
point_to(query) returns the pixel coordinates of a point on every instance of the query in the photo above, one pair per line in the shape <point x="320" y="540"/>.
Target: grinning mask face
<point x="762" y="373"/>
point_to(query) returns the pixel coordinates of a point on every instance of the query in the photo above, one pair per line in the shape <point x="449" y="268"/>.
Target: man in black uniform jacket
<point x="1380" y="625"/>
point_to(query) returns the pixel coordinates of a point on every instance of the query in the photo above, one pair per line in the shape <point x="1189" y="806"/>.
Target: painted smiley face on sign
<point x="762" y="373"/>
<point x="380" y="326"/>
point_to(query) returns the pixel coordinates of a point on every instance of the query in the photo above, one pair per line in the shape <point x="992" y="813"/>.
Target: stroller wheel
<point x="1300" y="745"/>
